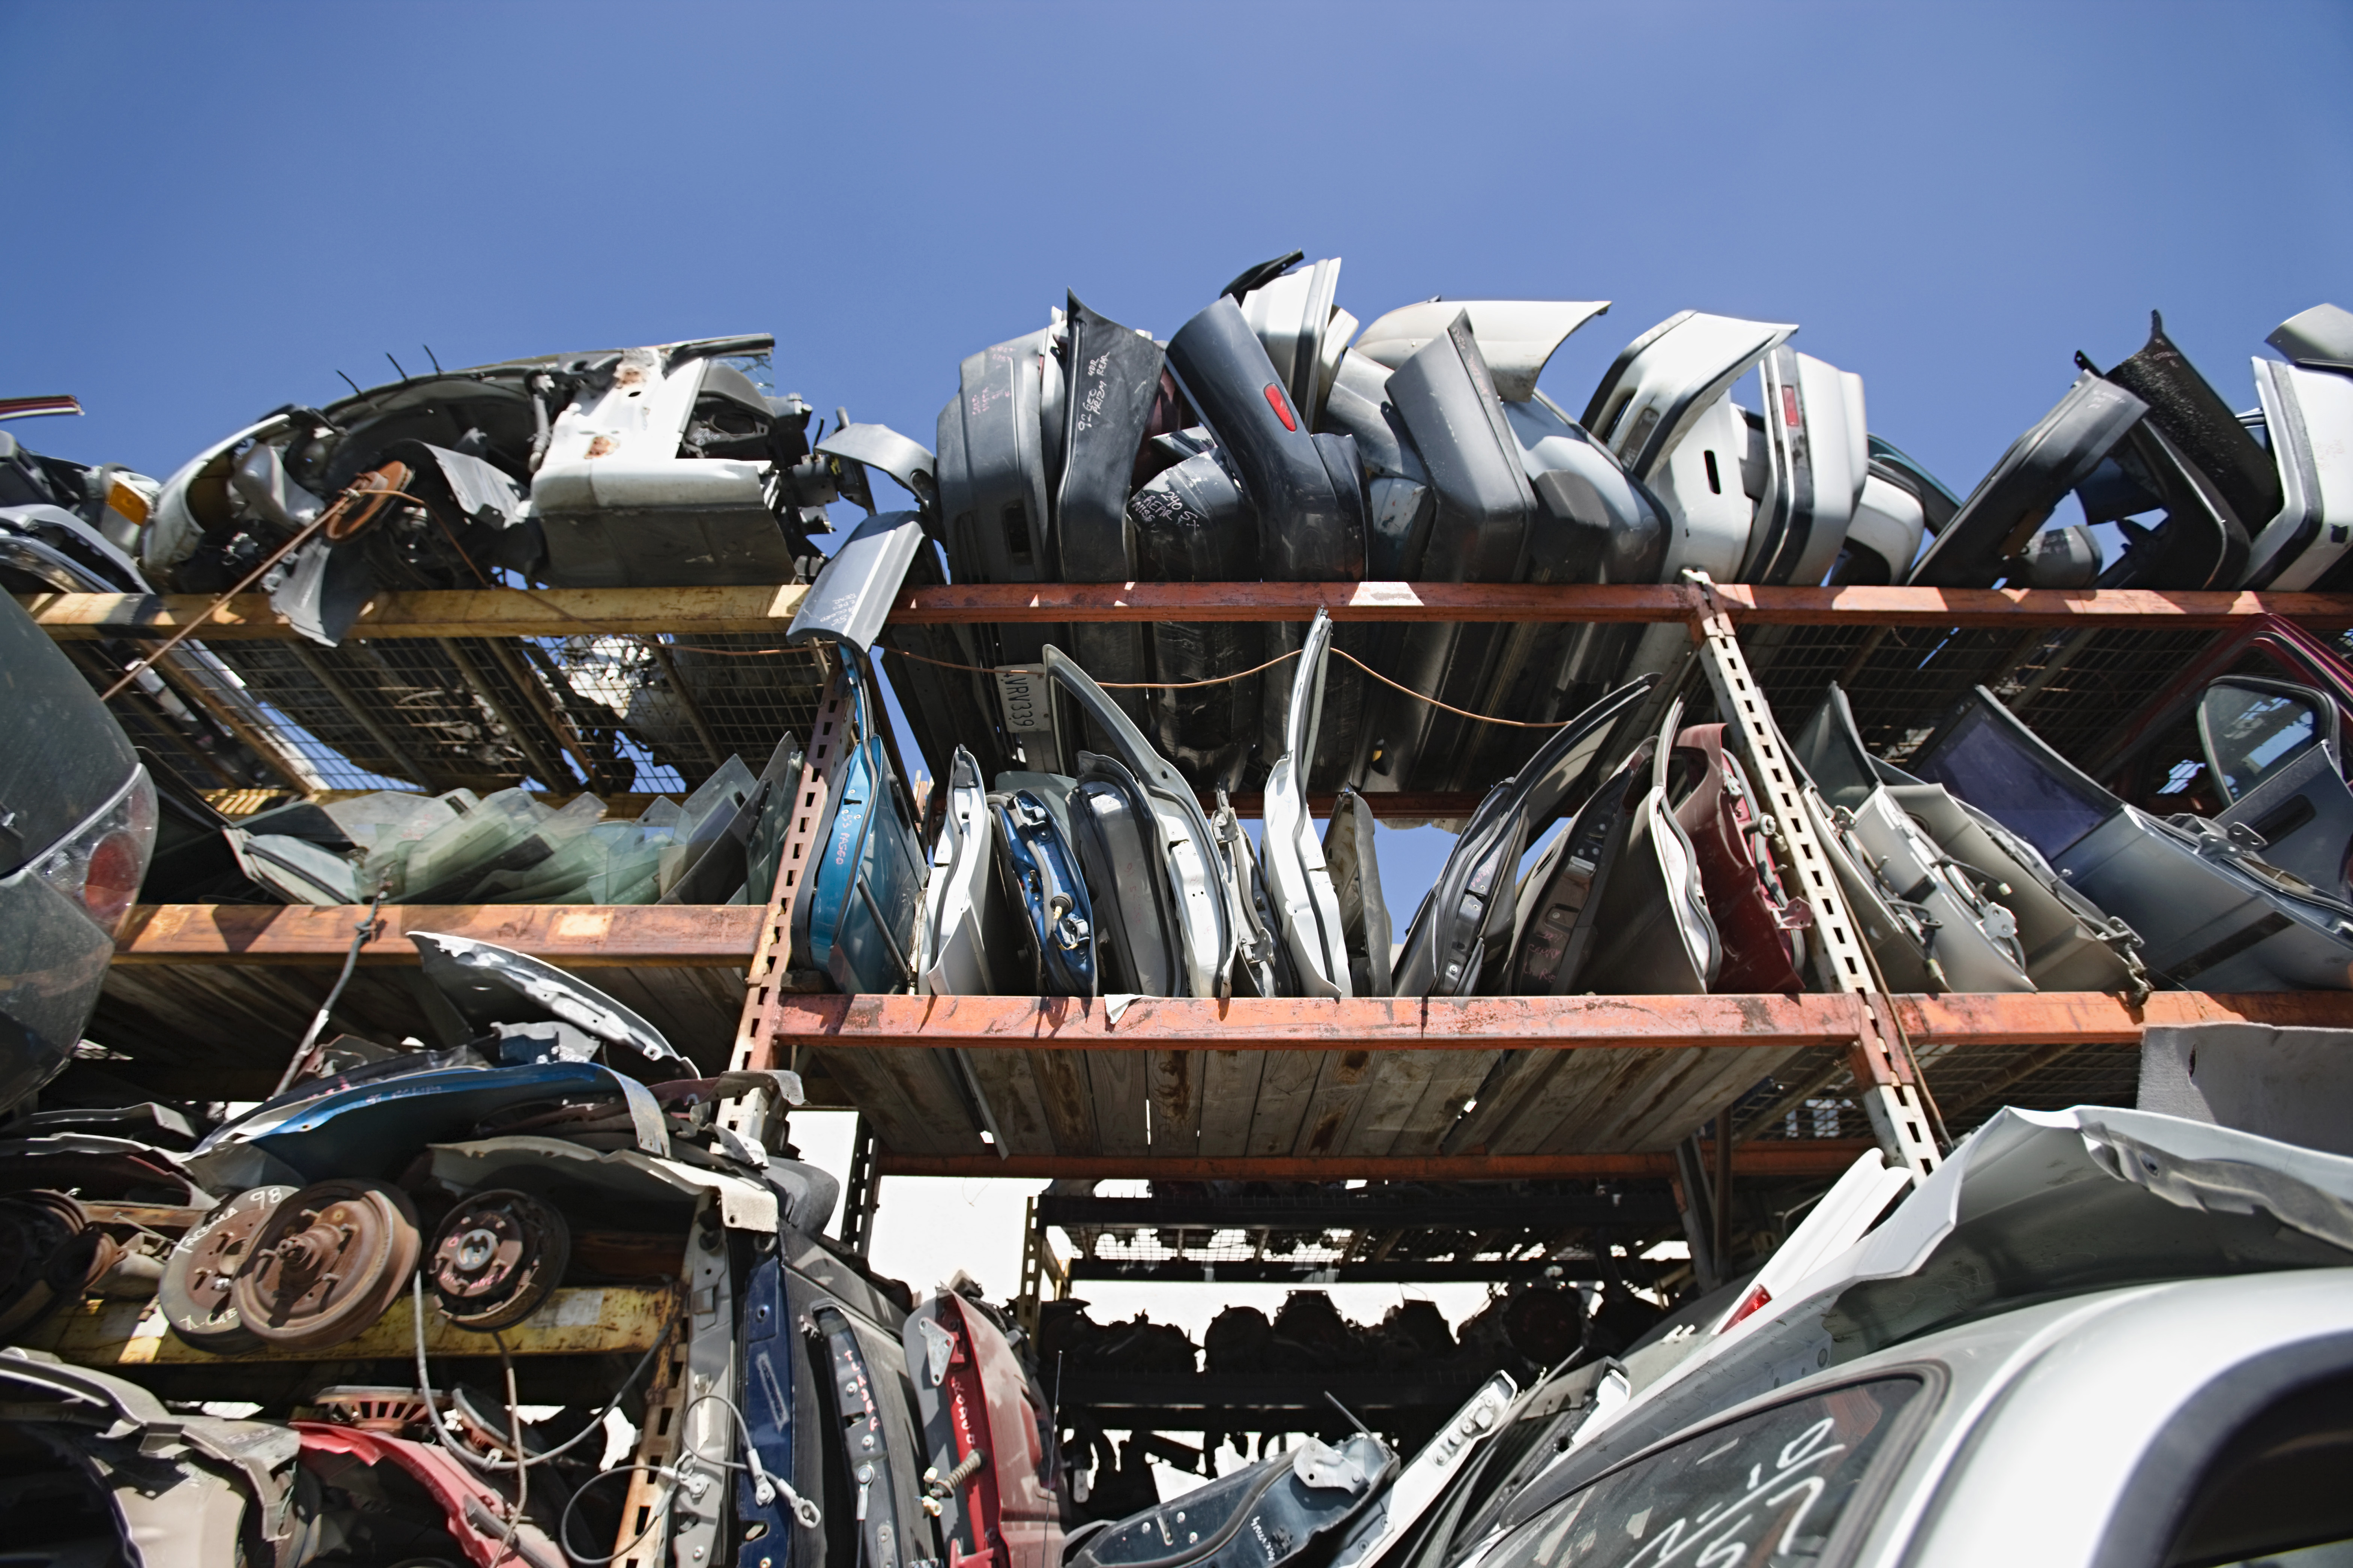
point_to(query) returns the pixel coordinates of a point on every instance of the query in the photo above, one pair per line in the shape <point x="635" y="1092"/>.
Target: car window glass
<point x="2015" y="782"/>
<point x="2251" y="733"/>
<point x="1767" y="1489"/>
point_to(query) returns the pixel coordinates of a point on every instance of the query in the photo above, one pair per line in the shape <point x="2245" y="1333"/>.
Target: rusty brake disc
<point x="326" y="1264"/>
<point x="498" y="1255"/>
<point x="194" y="1294"/>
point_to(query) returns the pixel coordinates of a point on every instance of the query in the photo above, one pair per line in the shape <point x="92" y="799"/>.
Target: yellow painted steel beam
<point x="576" y="1320"/>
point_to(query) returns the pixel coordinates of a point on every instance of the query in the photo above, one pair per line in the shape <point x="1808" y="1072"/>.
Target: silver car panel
<point x="1515" y="337"/>
<point x="1666" y="379"/>
<point x="954" y="956"/>
<point x="491" y="985"/>
<point x="854" y="592"/>
<point x="2309" y="416"/>
<point x="1817" y="451"/>
<point x="1303" y="330"/>
<point x="992" y="471"/>
<point x="2019" y="493"/>
<point x="1930" y="924"/>
<point x="1187" y="844"/>
<point x="177" y="523"/>
<point x="2073" y="1204"/>
<point x="2207" y="907"/>
<point x="1354" y="869"/>
<point x="1116" y="836"/>
<point x="1462" y="932"/>
<point x="620" y="507"/>
<point x="2318" y="339"/>
<point x="877" y="446"/>
<point x="2069" y="944"/>
<point x="1298" y="883"/>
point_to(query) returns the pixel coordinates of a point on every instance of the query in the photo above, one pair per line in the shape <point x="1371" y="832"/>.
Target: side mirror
<point x="2249" y="729"/>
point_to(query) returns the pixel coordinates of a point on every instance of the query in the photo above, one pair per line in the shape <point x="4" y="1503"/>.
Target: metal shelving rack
<point x="1249" y="1090"/>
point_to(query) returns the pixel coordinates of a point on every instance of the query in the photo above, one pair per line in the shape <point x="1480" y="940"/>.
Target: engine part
<point x="326" y="1264"/>
<point x="497" y="1257"/>
<point x="48" y="1256"/>
<point x="195" y="1293"/>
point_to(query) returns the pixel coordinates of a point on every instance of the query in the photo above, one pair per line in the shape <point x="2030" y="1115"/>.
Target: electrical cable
<point x="425" y="1388"/>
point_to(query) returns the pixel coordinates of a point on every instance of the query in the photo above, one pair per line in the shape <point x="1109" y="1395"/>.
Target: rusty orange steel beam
<point x="1470" y="1023"/>
<point x="2096" y="1017"/>
<point x="2019" y="607"/>
<point x="768" y="611"/>
<point x="1497" y="1023"/>
<point x="637" y="936"/>
<point x="1776" y="1157"/>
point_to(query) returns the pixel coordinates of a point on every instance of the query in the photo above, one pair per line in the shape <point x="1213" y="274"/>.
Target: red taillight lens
<point x="1749" y="1304"/>
<point x="1282" y="407"/>
<point x="110" y="885"/>
<point x="1789" y="406"/>
<point x="101" y="864"/>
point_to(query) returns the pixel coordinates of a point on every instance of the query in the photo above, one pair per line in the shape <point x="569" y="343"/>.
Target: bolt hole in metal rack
<point x="1306" y="1140"/>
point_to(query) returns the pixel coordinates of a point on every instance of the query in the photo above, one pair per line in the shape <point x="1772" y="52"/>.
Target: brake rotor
<point x="194" y="1294"/>
<point x="326" y="1264"/>
<point x="498" y="1256"/>
<point x="48" y="1256"/>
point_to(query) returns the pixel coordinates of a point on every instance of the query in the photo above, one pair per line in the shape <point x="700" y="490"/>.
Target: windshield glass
<point x="1767" y="1489"/>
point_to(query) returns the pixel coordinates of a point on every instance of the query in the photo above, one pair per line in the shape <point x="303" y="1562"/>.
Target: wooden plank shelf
<point x="687" y="612"/>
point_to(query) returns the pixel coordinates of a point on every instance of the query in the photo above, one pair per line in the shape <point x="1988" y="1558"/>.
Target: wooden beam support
<point x="1771" y="1157"/>
<point x="578" y="936"/>
<point x="768" y="611"/>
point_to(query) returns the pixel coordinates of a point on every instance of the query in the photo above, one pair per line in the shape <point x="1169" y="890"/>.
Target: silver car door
<point x="1463" y="929"/>
<point x="1648" y="882"/>
<point x="1298" y="883"/>
<point x="954" y="938"/>
<point x="1907" y="886"/>
<point x="2069" y="942"/>
<point x="1187" y="844"/>
<point x="1355" y="873"/>
<point x="2205" y="907"/>
<point x="1985" y="537"/>
<point x="2309" y="416"/>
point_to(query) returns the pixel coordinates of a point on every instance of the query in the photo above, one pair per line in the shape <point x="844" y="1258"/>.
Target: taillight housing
<point x="99" y="865"/>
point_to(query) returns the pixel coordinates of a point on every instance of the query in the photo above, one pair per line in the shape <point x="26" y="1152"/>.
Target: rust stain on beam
<point x="1469" y="1023"/>
<point x="579" y="936"/>
<point x="2095" y="1017"/>
<point x="1794" y="1157"/>
<point x="560" y="612"/>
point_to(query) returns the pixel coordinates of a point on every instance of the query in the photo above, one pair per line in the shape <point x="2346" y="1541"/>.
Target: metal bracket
<point x="686" y="1439"/>
<point x="861" y="1194"/>
<point x="756" y="1032"/>
<point x="1885" y="1082"/>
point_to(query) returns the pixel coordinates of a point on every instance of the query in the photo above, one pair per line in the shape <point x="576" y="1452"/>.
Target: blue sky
<point x="219" y="207"/>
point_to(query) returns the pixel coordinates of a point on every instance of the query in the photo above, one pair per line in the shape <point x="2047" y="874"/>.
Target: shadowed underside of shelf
<point x="208" y="999"/>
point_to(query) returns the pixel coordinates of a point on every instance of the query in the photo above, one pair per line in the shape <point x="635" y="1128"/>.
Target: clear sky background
<point x="219" y="207"/>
